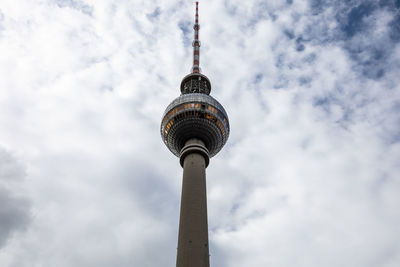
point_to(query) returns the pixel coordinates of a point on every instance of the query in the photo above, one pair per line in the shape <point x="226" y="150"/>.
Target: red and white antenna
<point x="196" y="43"/>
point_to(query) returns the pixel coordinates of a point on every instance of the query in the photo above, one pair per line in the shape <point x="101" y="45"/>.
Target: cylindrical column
<point x="193" y="228"/>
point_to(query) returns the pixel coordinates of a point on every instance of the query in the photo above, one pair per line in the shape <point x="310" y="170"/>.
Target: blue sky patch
<point x="355" y="17"/>
<point x="155" y="14"/>
<point x="76" y="4"/>
<point x="395" y="29"/>
<point x="186" y="28"/>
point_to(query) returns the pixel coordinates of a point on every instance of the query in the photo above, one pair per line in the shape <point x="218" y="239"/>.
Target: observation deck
<point x="195" y="115"/>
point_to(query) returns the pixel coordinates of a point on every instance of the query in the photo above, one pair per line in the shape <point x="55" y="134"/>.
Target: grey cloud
<point x="148" y="186"/>
<point x="10" y="169"/>
<point x="14" y="214"/>
<point x="14" y="209"/>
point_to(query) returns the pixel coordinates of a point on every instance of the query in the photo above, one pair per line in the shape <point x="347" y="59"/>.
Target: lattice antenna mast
<point x="196" y="43"/>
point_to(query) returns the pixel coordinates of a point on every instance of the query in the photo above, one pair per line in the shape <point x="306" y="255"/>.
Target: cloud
<point x="308" y="176"/>
<point x="14" y="209"/>
<point x="14" y="215"/>
<point x="78" y="5"/>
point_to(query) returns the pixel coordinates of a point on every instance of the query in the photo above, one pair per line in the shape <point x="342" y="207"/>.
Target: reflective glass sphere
<point x="195" y="115"/>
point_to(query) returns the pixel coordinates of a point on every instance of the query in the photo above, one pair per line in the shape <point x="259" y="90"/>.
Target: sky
<point x="309" y="175"/>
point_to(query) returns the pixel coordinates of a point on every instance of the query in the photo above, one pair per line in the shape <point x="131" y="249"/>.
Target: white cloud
<point x="308" y="176"/>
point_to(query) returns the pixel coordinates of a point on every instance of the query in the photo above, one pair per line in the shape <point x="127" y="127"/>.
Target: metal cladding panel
<point x="198" y="98"/>
<point x="195" y="116"/>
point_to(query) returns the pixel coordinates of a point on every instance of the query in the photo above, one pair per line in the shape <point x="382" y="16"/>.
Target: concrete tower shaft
<point x="193" y="248"/>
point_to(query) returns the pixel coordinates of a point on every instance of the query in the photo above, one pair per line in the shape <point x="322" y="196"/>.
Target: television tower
<point x="194" y="127"/>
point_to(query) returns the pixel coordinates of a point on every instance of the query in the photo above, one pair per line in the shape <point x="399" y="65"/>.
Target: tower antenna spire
<point x="196" y="42"/>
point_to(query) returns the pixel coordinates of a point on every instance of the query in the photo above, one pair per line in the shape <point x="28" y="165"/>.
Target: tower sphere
<point x="195" y="115"/>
